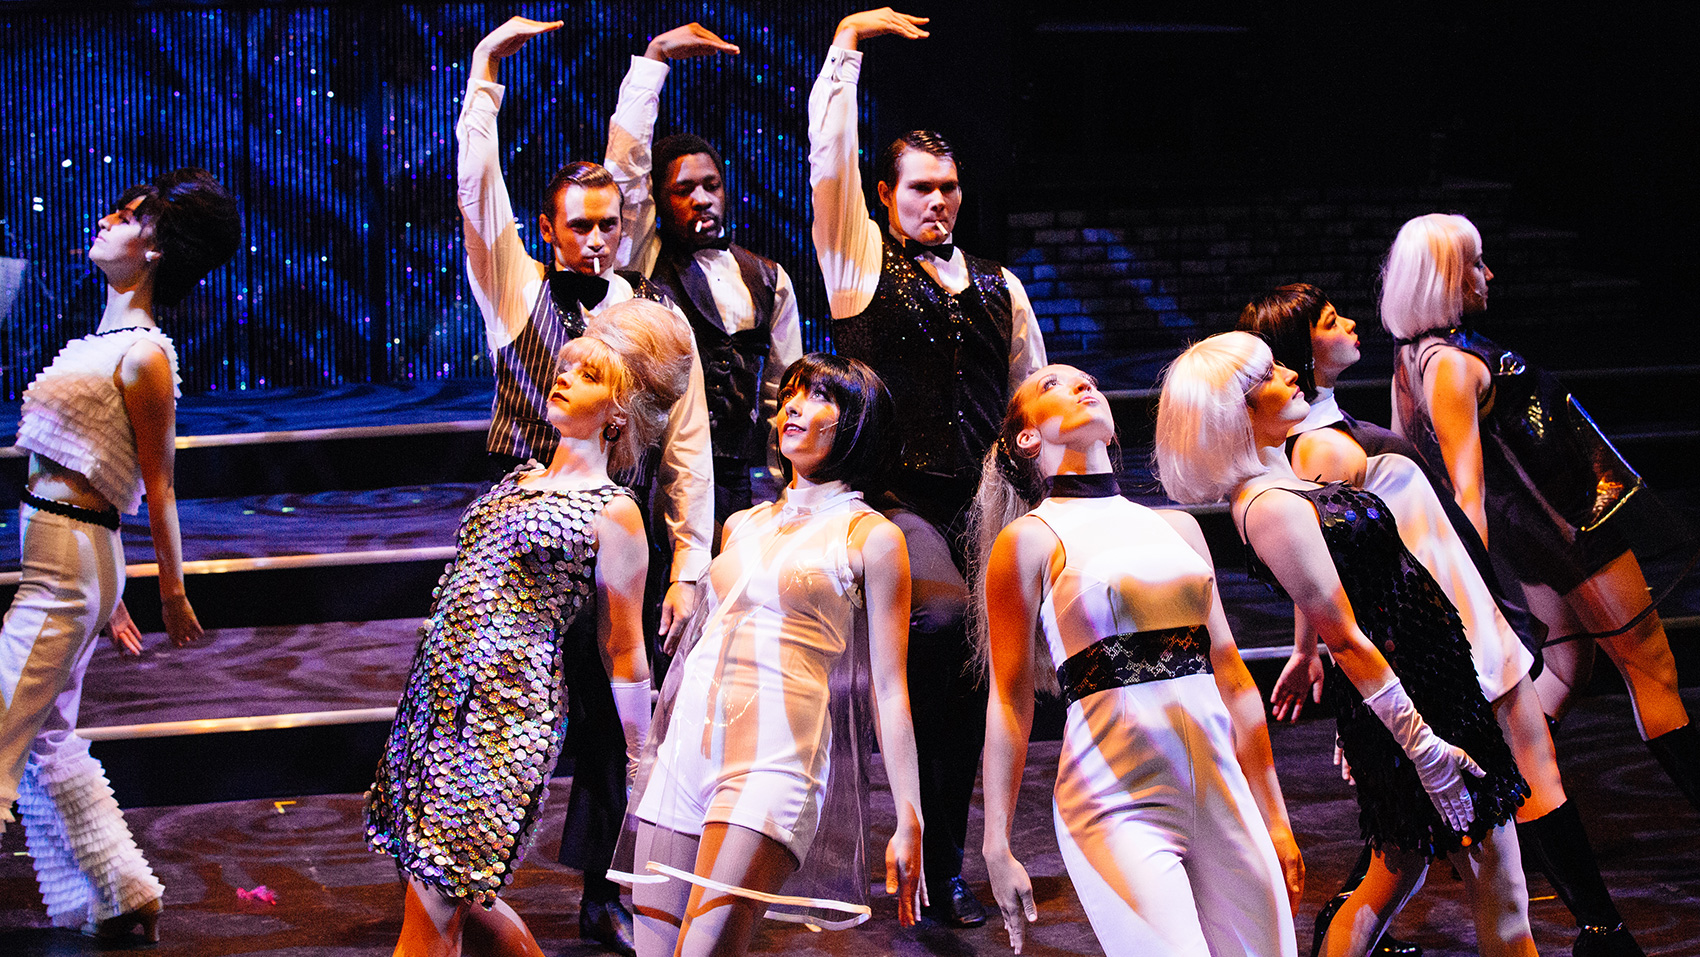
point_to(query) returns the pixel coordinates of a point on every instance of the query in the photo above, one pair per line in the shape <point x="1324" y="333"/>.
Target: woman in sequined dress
<point x="754" y="796"/>
<point x="1166" y="799"/>
<point x="1455" y="398"/>
<point x="1306" y="333"/>
<point x="100" y="424"/>
<point x="1439" y="781"/>
<point x="460" y="789"/>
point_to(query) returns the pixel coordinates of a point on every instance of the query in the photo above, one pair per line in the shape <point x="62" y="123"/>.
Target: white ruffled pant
<point x="86" y="861"/>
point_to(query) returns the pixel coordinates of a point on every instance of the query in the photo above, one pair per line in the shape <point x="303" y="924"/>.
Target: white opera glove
<point x="1438" y="762"/>
<point x="631" y="703"/>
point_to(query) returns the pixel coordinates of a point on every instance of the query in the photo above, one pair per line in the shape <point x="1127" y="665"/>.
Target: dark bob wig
<point x="1284" y="318"/>
<point x="865" y="444"/>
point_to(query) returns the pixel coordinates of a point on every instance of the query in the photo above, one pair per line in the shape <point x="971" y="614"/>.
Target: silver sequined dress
<point x="460" y="788"/>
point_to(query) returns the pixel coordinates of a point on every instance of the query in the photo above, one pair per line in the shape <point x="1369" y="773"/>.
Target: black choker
<point x="1096" y="485"/>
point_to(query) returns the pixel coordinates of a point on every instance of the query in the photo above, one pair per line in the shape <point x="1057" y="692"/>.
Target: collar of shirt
<point x="1324" y="410"/>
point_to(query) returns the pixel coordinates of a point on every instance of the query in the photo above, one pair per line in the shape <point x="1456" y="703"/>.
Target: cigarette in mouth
<point x="701" y="225"/>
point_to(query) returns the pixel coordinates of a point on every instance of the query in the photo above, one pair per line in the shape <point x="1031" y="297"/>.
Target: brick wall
<point x="1121" y="289"/>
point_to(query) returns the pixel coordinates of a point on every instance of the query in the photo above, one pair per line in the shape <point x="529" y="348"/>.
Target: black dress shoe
<point x="609" y="924"/>
<point x="1388" y="946"/>
<point x="1597" y="941"/>
<point x="959" y="907"/>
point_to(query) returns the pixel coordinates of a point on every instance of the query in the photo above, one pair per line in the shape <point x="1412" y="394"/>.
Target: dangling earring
<point x="610" y="433"/>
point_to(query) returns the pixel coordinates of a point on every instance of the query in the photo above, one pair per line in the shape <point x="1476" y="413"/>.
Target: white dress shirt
<point x="848" y="244"/>
<point x="506" y="283"/>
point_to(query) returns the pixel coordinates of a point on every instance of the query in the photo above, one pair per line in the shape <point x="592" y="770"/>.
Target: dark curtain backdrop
<point x="335" y="126"/>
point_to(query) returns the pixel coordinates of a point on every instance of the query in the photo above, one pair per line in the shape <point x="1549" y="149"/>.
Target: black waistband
<point x="1131" y="659"/>
<point x="105" y="518"/>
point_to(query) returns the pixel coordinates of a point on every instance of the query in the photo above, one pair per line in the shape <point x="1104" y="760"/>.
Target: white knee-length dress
<point x="1156" y="823"/>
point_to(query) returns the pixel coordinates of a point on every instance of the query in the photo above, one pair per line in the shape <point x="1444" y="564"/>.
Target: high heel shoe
<point x="143" y="922"/>
<point x="1388" y="946"/>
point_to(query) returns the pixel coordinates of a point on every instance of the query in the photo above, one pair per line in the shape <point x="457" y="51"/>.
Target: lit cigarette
<point x="701" y="225"/>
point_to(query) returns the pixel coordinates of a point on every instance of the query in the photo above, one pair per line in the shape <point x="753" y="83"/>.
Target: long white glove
<point x="1437" y="761"/>
<point x="631" y="703"/>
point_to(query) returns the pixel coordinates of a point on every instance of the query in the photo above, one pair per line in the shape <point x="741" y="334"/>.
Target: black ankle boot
<point x="1557" y="845"/>
<point x="1388" y="946"/>
<point x="1678" y="752"/>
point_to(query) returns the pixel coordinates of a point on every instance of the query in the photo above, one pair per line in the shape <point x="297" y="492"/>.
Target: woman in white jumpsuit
<point x="1168" y="844"/>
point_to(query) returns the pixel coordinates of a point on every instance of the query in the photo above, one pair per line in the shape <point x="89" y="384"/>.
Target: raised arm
<point x="150" y="400"/>
<point x="1453" y="383"/>
<point x="622" y="563"/>
<point x="631" y="133"/>
<point x="847" y="242"/>
<point x="877" y="546"/>
<point x="1016" y="572"/>
<point x="1245" y="710"/>
<point x="1284" y="531"/>
<point x="497" y="264"/>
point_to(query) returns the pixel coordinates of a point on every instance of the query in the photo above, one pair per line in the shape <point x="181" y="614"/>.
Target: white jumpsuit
<point x="1155" y="820"/>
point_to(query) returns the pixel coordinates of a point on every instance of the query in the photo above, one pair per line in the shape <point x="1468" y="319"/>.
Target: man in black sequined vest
<point x="741" y="306"/>
<point x="951" y="335"/>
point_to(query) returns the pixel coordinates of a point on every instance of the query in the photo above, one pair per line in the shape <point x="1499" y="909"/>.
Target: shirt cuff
<point x="689" y="564"/>
<point x="496" y="90"/>
<point x="647" y="73"/>
<point x="842" y="66"/>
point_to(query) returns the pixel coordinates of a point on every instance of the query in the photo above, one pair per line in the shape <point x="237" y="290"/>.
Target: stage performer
<point x="741" y="305"/>
<point x="461" y="785"/>
<point x="1541" y="498"/>
<point x="100" y="424"/>
<point x="1439" y="781"/>
<point x="754" y="793"/>
<point x="531" y="310"/>
<point x="1305" y="332"/>
<point x="952" y="335"/>
<point x="1166" y="798"/>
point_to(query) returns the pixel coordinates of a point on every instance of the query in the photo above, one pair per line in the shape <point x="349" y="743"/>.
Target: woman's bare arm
<point x="1453" y="383"/>
<point x="149" y="389"/>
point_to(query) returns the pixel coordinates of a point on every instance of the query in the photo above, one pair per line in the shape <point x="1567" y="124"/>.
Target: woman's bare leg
<point x="1567" y="664"/>
<point x="1525" y="728"/>
<point x="498" y="932"/>
<point x="658" y="910"/>
<point x="1642" y="655"/>
<point x="1392" y="878"/>
<point x="431" y="924"/>
<point x="1499" y="898"/>
<point x="719" y="924"/>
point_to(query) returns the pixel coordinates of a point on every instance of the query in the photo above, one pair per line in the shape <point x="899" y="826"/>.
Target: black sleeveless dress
<point x="1407" y="617"/>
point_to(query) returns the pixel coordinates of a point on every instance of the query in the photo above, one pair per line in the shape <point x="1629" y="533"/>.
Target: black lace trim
<point x="1122" y="660"/>
<point x="1095" y="485"/>
<point x="105" y="518"/>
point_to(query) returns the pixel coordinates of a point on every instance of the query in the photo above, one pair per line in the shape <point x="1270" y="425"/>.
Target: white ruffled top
<point x="74" y="413"/>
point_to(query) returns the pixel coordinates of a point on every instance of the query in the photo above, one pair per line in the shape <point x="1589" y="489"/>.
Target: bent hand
<point x="1300" y="682"/>
<point x="1439" y="769"/>
<point x="121" y="630"/>
<point x="676" y="610"/>
<point x="1292" y="863"/>
<point x="1014" y="892"/>
<point x="692" y="39"/>
<point x="873" y="23"/>
<point x="903" y="870"/>
<point x="181" y="625"/>
<point x="505" y="40"/>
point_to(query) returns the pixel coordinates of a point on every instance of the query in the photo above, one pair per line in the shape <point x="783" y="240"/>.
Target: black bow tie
<point x="943" y="251"/>
<point x="568" y="287"/>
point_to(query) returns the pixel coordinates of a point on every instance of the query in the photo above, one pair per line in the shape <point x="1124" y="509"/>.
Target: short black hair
<point x="196" y="228"/>
<point x="670" y="148"/>
<point x="581" y="173"/>
<point x="1284" y="318"/>
<point x="865" y="445"/>
<point x="923" y="141"/>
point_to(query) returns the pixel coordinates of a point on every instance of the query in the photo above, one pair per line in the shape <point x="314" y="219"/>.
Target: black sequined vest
<point x="731" y="363"/>
<point x="945" y="359"/>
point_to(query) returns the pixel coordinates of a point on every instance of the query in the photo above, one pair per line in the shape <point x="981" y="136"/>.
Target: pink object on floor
<point x="261" y="893"/>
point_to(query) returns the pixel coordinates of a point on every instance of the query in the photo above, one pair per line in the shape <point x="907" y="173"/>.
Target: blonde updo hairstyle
<point x="1423" y="278"/>
<point x="643" y="352"/>
<point x="1205" y="447"/>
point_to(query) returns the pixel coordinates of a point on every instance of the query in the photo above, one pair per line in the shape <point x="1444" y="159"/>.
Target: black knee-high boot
<point x="1678" y="752"/>
<point x="1558" y="846"/>
<point x="1388" y="946"/>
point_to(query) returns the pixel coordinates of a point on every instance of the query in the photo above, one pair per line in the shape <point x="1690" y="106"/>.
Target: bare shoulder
<point x="621" y="514"/>
<point x="876" y="536"/>
<point x="144" y="361"/>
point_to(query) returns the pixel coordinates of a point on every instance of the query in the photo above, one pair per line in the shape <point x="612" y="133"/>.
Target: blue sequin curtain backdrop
<point x="335" y="125"/>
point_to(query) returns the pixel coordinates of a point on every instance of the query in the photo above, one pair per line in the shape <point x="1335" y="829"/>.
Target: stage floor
<point x="336" y="899"/>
